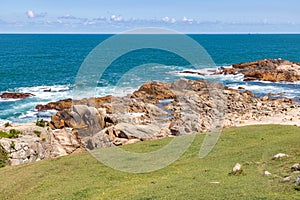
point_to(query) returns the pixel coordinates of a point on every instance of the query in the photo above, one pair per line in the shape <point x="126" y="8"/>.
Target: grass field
<point x="81" y="176"/>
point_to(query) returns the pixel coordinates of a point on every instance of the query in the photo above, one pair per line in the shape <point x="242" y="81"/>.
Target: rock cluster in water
<point x="11" y="95"/>
<point x="266" y="70"/>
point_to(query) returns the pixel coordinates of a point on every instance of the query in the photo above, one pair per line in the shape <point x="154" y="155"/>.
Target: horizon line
<point x="189" y="33"/>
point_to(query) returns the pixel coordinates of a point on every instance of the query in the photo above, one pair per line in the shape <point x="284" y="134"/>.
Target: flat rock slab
<point x="138" y="131"/>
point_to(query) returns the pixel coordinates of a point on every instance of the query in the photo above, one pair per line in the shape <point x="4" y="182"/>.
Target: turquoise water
<point x="32" y="63"/>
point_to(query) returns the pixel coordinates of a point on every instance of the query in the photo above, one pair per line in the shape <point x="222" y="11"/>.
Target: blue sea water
<point x="33" y="63"/>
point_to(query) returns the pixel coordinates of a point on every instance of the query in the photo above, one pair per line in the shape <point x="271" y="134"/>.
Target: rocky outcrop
<point x="11" y="95"/>
<point x="266" y="70"/>
<point x="37" y="143"/>
<point x="67" y="103"/>
<point x="159" y="109"/>
<point x="155" y="110"/>
<point x="59" y="105"/>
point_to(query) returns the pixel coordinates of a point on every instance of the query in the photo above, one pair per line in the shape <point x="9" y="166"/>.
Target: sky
<point x="113" y="16"/>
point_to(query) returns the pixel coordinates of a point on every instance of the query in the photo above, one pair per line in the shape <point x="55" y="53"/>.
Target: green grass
<point x="80" y="176"/>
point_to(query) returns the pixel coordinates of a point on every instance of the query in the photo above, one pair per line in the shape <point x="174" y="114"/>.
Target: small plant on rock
<point x="12" y="145"/>
<point x="12" y="134"/>
<point x="3" y="157"/>
<point x="40" y="123"/>
<point x="38" y="133"/>
<point x="7" y="124"/>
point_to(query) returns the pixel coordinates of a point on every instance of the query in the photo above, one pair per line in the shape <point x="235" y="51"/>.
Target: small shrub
<point x="41" y="123"/>
<point x="38" y="133"/>
<point x="3" y="157"/>
<point x="3" y="134"/>
<point x="12" y="145"/>
<point x="13" y="133"/>
<point x="7" y="124"/>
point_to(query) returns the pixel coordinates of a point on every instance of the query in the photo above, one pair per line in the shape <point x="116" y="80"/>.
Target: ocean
<point x="37" y="62"/>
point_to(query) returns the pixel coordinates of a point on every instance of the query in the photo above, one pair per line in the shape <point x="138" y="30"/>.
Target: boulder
<point x="297" y="181"/>
<point x="142" y="132"/>
<point x="286" y="179"/>
<point x="295" y="167"/>
<point x="151" y="92"/>
<point x="85" y="119"/>
<point x="279" y="156"/>
<point x="67" y="139"/>
<point x="237" y="169"/>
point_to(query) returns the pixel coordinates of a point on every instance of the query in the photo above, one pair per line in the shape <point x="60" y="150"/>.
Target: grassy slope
<point x="81" y="176"/>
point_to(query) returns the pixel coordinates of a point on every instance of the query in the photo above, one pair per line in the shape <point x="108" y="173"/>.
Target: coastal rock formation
<point x="155" y="110"/>
<point x="37" y="143"/>
<point x="266" y="70"/>
<point x="11" y="95"/>
<point x="59" y="105"/>
<point x="67" y="103"/>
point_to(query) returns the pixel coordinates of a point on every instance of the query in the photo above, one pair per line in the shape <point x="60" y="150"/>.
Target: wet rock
<point x="59" y="105"/>
<point x="10" y="95"/>
<point x="192" y="72"/>
<point x="266" y="70"/>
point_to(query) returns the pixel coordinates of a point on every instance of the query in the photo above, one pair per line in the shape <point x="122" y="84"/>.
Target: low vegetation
<point x="40" y="123"/>
<point x="3" y="157"/>
<point x="37" y="132"/>
<point x="13" y="133"/>
<point x="7" y="124"/>
<point x="81" y="176"/>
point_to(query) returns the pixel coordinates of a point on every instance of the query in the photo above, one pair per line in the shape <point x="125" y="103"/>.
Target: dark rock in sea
<point x="59" y="105"/>
<point x="11" y="95"/>
<point x="67" y="103"/>
<point x="48" y="90"/>
<point x="193" y="72"/>
<point x="266" y="70"/>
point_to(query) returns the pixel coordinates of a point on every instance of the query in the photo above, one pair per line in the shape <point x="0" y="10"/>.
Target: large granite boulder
<point x="85" y="119"/>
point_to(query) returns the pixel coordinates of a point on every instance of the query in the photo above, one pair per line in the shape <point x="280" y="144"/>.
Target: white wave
<point x="9" y="100"/>
<point x="4" y="121"/>
<point x="28" y="114"/>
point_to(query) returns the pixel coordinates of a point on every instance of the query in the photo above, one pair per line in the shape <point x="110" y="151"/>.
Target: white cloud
<point x="116" y="18"/>
<point x="168" y="19"/>
<point x="90" y="23"/>
<point x="185" y="19"/>
<point x="30" y="14"/>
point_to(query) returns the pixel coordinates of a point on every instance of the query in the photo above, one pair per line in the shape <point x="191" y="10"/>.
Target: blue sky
<point x="111" y="16"/>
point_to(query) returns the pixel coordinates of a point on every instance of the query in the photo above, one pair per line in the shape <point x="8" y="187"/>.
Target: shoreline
<point x="149" y="113"/>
